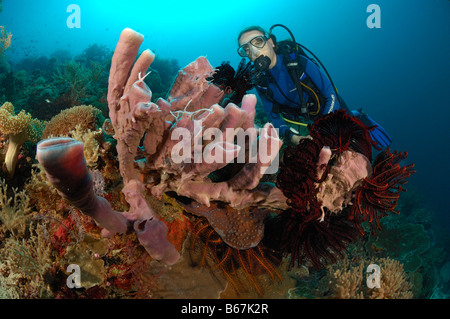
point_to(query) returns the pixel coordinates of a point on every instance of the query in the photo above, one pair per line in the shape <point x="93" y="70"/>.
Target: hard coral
<point x="20" y="128"/>
<point x="347" y="281"/>
<point x="87" y="116"/>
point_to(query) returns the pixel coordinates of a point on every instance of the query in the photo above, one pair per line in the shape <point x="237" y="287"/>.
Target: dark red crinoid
<point x="341" y="132"/>
<point x="304" y="237"/>
<point x="379" y="193"/>
<point x="298" y="232"/>
<point x="297" y="176"/>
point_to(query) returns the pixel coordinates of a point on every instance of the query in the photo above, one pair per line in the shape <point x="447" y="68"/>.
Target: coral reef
<point x="134" y="118"/>
<point x="167" y="199"/>
<point x="8" y="288"/>
<point x="240" y="229"/>
<point x="353" y="278"/>
<point x="45" y="86"/>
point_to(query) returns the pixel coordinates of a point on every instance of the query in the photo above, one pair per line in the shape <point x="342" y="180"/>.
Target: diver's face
<point x="253" y="51"/>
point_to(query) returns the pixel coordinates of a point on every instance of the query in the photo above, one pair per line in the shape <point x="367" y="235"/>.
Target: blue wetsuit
<point x="284" y="81"/>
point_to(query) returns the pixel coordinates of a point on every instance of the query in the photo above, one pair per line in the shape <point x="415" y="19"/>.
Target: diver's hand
<point x="295" y="139"/>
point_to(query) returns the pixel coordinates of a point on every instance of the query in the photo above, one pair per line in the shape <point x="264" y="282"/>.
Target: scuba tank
<point x="377" y="132"/>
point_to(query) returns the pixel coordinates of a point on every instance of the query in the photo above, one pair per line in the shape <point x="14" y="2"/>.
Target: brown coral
<point x="87" y="116"/>
<point x="347" y="280"/>
<point x="91" y="145"/>
<point x="394" y="283"/>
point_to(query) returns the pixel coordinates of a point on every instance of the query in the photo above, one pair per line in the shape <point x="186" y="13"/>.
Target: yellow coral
<point x="85" y="115"/>
<point x="90" y="144"/>
<point x="10" y="123"/>
<point x="394" y="284"/>
<point x="8" y="284"/>
<point x="5" y="39"/>
<point x="347" y="280"/>
<point x="20" y="128"/>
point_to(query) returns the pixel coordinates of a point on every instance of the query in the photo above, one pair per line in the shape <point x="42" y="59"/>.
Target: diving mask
<point x="258" y="42"/>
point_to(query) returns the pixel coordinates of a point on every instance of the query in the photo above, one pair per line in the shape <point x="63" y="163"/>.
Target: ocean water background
<point x="399" y="73"/>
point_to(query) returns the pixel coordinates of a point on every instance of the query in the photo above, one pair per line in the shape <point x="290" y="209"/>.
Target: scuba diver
<point x="287" y="98"/>
<point x="294" y="88"/>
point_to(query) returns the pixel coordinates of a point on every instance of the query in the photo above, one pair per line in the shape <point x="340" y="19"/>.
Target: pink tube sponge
<point x="132" y="113"/>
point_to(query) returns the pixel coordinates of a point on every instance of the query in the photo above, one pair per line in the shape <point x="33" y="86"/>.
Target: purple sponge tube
<point x="64" y="164"/>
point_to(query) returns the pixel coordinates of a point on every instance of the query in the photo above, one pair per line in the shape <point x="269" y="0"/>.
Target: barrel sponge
<point x="87" y="116"/>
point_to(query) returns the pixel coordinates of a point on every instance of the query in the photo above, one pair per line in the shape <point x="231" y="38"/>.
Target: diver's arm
<point x="275" y="118"/>
<point x="322" y="82"/>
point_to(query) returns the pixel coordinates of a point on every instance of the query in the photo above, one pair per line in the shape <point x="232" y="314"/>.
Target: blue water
<point x="398" y="73"/>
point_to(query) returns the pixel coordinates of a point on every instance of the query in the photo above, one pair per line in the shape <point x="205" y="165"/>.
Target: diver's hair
<point x="253" y="28"/>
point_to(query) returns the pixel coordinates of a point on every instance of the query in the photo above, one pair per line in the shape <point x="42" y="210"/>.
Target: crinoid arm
<point x="378" y="194"/>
